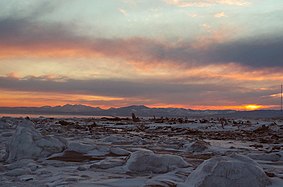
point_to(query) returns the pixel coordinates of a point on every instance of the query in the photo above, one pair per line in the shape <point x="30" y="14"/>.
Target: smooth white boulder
<point x="27" y="143"/>
<point x="232" y="171"/>
<point x="148" y="161"/>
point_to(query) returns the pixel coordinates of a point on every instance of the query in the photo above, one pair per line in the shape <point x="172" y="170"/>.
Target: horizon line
<point x="150" y="107"/>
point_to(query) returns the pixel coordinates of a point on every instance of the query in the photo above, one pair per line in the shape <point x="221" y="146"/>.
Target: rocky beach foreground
<point x="121" y="152"/>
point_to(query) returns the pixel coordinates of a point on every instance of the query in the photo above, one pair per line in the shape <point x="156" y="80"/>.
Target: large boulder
<point x="27" y="143"/>
<point x="148" y="161"/>
<point x="232" y="171"/>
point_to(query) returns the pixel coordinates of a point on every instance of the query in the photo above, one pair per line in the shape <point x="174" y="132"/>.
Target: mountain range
<point x="139" y="110"/>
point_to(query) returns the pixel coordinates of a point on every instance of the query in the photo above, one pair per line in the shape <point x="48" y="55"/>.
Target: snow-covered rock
<point x="18" y="172"/>
<point x="108" y="163"/>
<point x="99" y="151"/>
<point x="148" y="161"/>
<point x="119" y="151"/>
<point x="81" y="148"/>
<point x="274" y="157"/>
<point x="28" y="143"/>
<point x="232" y="171"/>
<point x="23" y="163"/>
<point x="25" y="178"/>
<point x="197" y="146"/>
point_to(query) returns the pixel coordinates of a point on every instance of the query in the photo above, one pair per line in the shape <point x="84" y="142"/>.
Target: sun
<point x="252" y="107"/>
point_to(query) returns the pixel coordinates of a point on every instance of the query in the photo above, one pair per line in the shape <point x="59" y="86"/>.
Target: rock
<point x="20" y="164"/>
<point x="2" y="168"/>
<point x="262" y="129"/>
<point x="274" y="157"/>
<point x="274" y="127"/>
<point x="115" y="139"/>
<point x="28" y="143"/>
<point x="81" y="148"/>
<point x="197" y="146"/>
<point x="119" y="151"/>
<point x="43" y="172"/>
<point x="72" y="179"/>
<point x="70" y="156"/>
<point x="2" y="155"/>
<point x="33" y="166"/>
<point x="4" y="125"/>
<point x="82" y="168"/>
<point x="270" y="174"/>
<point x="26" y="178"/>
<point x="99" y="151"/>
<point x="108" y="163"/>
<point x="18" y="172"/>
<point x="232" y="171"/>
<point x="8" y="134"/>
<point x="148" y="161"/>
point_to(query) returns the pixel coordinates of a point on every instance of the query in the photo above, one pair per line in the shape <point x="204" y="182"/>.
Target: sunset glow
<point x="164" y="53"/>
<point x="253" y="107"/>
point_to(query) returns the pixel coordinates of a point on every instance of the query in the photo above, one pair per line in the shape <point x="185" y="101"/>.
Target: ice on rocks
<point x="197" y="146"/>
<point x="26" y="178"/>
<point x="147" y="161"/>
<point x="268" y="157"/>
<point x="108" y="163"/>
<point x="119" y="151"/>
<point x="29" y="143"/>
<point x="21" y="164"/>
<point x="18" y="172"/>
<point x="81" y="148"/>
<point x="99" y="151"/>
<point x="232" y="171"/>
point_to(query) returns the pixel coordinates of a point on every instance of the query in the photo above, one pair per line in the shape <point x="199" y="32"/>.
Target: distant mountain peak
<point x="137" y="107"/>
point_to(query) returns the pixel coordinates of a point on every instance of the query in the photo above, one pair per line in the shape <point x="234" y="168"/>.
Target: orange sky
<point x="197" y="54"/>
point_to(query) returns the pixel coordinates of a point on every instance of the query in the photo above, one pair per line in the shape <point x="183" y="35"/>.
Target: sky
<point x="197" y="54"/>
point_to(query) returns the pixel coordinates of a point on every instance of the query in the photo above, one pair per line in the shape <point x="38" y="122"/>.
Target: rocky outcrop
<point x="27" y="143"/>
<point x="232" y="171"/>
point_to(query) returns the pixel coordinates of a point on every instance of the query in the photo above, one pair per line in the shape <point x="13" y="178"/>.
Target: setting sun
<point x="252" y="107"/>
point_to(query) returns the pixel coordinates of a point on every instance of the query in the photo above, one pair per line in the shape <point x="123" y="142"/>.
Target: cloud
<point x="257" y="52"/>
<point x="206" y="3"/>
<point x="159" y="91"/>
<point x="25" y="37"/>
<point x="123" y="12"/>
<point x="220" y="15"/>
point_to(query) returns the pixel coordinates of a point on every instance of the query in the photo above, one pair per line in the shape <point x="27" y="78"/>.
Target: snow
<point x="148" y="161"/>
<point x="28" y="143"/>
<point x="81" y="148"/>
<point x="233" y="171"/>
<point x="41" y="152"/>
<point x="119" y="151"/>
<point x="197" y="146"/>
